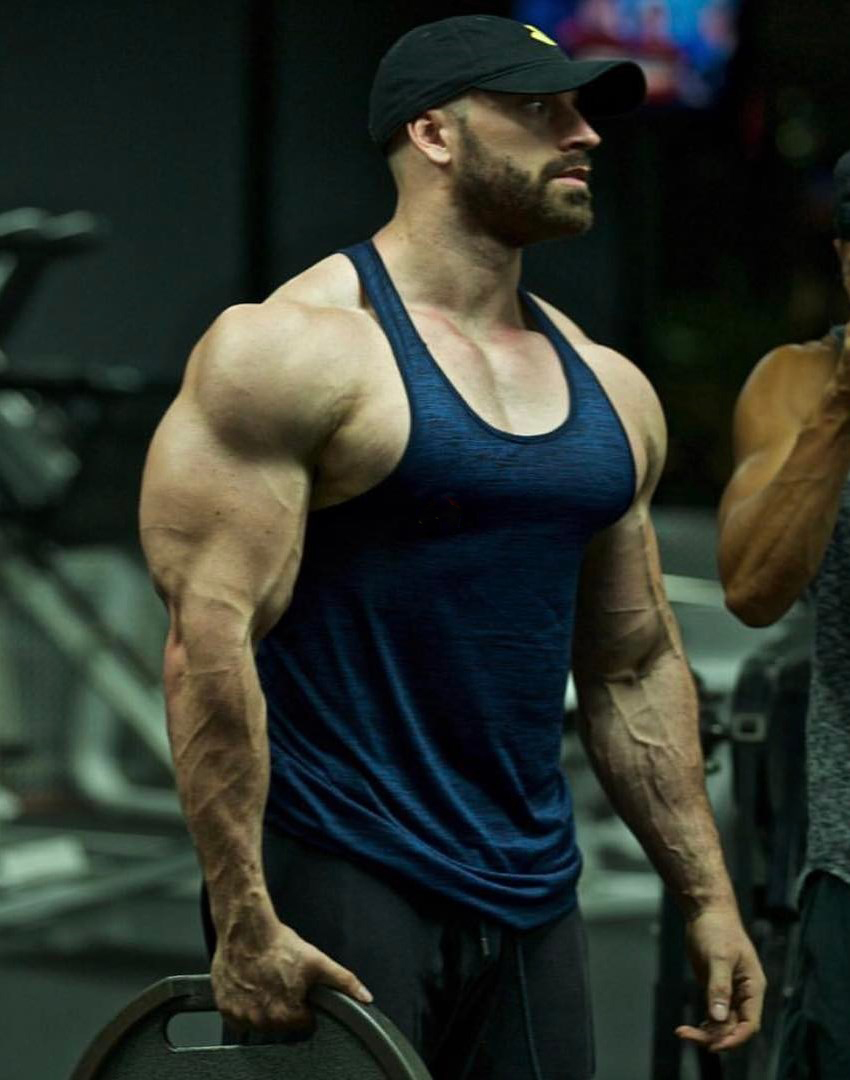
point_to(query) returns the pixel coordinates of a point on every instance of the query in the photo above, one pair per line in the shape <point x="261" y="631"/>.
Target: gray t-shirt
<point x="828" y="722"/>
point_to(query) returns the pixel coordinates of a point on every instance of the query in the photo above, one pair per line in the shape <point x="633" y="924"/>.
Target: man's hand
<point x="728" y="967"/>
<point x="263" y="986"/>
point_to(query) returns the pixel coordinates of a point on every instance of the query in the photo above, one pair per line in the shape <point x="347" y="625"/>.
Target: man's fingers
<point x="727" y="965"/>
<point x="331" y="973"/>
<point x="719" y="989"/>
<point x="271" y="993"/>
<point x="295" y="1020"/>
<point x="692" y="1034"/>
<point x="742" y="1031"/>
<point x="731" y="1022"/>
<point x="280" y="1013"/>
<point x="749" y="998"/>
<point x="718" y="1038"/>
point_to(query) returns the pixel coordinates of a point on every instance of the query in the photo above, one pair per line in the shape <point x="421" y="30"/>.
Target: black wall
<point x="226" y="145"/>
<point x="134" y="111"/>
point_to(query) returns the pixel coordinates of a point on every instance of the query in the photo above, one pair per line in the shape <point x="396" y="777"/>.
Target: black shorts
<point x="478" y="1000"/>
<point x="816" y="1023"/>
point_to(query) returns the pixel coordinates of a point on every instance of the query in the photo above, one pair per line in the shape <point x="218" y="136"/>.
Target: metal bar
<point x="142" y="707"/>
<point x="50" y="902"/>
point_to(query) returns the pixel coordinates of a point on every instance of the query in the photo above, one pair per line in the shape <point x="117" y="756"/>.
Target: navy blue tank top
<point x="415" y="685"/>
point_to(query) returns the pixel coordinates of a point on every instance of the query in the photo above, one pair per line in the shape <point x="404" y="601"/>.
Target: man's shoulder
<point x="330" y="285"/>
<point x="289" y="358"/>
<point x="791" y="373"/>
<point x="798" y="357"/>
<point x="311" y="319"/>
<point x="311" y="310"/>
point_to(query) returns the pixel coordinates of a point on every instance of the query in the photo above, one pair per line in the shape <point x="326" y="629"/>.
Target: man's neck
<point x="436" y="263"/>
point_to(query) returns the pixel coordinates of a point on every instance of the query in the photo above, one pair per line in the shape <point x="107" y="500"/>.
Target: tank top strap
<point x="579" y="374"/>
<point x="422" y="376"/>
<point x="384" y="298"/>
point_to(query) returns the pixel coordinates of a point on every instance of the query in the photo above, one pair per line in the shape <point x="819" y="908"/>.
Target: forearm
<point x="772" y="543"/>
<point x="641" y="734"/>
<point x="217" y="727"/>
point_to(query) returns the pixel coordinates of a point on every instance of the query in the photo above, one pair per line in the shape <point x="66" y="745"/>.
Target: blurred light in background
<point x="683" y="46"/>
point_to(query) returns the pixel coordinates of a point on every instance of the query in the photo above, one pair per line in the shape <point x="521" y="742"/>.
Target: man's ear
<point x="427" y="133"/>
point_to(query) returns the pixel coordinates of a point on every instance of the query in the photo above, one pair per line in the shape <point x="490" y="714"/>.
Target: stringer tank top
<point x="415" y="685"/>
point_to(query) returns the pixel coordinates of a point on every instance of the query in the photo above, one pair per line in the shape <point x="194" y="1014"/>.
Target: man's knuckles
<point x="281" y="1019"/>
<point x="270" y="1018"/>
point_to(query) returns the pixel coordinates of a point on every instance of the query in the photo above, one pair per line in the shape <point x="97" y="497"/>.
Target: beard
<point x="496" y="196"/>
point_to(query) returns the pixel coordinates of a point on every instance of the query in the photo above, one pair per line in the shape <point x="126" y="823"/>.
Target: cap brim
<point x="606" y="87"/>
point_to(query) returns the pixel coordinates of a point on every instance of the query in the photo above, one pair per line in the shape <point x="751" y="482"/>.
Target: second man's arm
<point x="792" y="455"/>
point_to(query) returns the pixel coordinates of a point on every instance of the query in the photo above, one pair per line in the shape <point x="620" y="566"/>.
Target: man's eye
<point x="535" y="105"/>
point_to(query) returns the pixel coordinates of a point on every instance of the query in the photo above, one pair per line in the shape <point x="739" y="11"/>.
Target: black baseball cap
<point x="841" y="182"/>
<point x="434" y="63"/>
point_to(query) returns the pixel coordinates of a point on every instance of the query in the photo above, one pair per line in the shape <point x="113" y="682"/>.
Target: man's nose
<point x="578" y="135"/>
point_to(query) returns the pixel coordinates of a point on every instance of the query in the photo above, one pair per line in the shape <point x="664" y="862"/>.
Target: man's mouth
<point x="576" y="176"/>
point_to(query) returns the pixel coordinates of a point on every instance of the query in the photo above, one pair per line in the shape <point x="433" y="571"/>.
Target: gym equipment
<point x="350" y="1041"/>
<point x="30" y="235"/>
<point x="55" y="416"/>
<point x="58" y="491"/>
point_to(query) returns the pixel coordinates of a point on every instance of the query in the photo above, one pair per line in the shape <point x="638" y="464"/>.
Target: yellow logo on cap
<point x="538" y="35"/>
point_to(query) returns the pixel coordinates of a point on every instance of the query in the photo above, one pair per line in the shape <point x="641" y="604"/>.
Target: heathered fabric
<point x="828" y="721"/>
<point x="415" y="685"/>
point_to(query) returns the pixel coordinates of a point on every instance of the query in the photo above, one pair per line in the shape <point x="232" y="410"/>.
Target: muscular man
<point x="386" y="505"/>
<point x="785" y="526"/>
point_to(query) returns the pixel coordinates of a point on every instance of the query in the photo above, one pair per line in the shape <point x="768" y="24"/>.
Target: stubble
<point x="497" y="196"/>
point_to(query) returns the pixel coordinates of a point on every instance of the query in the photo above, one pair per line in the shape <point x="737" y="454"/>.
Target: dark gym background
<point x="225" y="145"/>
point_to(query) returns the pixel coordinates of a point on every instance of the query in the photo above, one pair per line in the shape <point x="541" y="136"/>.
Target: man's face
<point x="522" y="166"/>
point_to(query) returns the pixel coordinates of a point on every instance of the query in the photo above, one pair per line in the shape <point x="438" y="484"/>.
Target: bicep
<point x="221" y="524"/>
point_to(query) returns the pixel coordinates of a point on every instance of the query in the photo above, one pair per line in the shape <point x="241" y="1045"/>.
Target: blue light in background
<point x="683" y="45"/>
